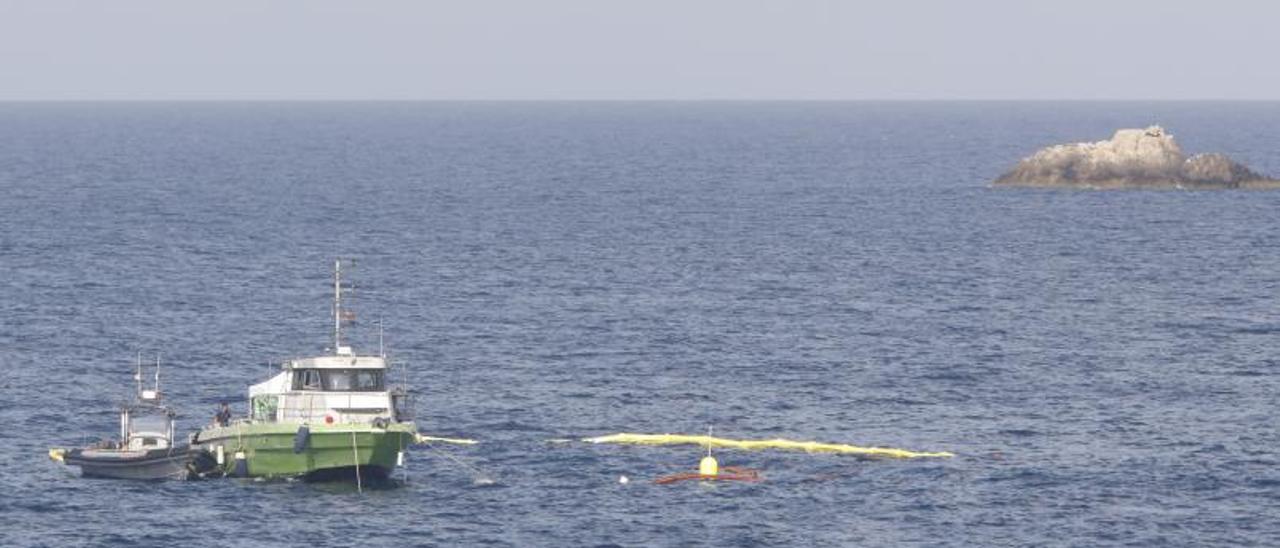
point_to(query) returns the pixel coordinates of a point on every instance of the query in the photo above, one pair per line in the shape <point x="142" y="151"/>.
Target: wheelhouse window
<point x="339" y="380"/>
<point x="149" y="425"/>
<point x="307" y="379"/>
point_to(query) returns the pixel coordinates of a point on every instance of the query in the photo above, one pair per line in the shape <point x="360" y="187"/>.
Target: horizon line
<point x="634" y="100"/>
<point x="620" y="100"/>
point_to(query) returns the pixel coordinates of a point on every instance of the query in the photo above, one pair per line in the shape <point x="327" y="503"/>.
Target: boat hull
<point x="283" y="450"/>
<point x="156" y="464"/>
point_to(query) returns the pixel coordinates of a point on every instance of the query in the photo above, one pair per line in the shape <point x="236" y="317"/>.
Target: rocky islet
<point x="1132" y="158"/>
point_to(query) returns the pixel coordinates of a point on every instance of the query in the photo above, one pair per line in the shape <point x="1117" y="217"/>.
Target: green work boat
<point x="328" y="417"/>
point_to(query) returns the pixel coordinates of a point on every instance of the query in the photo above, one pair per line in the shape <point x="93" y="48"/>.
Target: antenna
<point x="381" y="349"/>
<point x="404" y="378"/>
<point x="157" y="373"/>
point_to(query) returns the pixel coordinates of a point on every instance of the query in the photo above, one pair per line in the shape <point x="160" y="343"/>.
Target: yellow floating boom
<point x="809" y="446"/>
<point x="428" y="439"/>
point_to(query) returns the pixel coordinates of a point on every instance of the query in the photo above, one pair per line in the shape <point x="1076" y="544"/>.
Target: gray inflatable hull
<point x="154" y="464"/>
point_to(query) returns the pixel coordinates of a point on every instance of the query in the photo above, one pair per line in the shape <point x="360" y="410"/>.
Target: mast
<point x="341" y="314"/>
<point x="337" y="305"/>
<point x="137" y="376"/>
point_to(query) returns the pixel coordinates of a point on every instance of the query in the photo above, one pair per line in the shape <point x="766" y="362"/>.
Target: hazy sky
<point x="651" y="49"/>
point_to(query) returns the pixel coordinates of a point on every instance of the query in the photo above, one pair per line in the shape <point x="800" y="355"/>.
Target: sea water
<point x="1104" y="365"/>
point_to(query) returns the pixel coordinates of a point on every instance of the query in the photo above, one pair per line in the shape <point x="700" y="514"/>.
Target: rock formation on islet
<point x="1132" y="158"/>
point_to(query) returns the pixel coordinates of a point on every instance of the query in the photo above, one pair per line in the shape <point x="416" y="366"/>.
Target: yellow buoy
<point x="708" y="466"/>
<point x="57" y="454"/>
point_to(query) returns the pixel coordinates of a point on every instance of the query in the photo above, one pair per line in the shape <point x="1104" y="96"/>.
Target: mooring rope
<point x="478" y="476"/>
<point x="356" y="451"/>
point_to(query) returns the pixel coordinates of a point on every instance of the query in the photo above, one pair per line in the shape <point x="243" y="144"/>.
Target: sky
<point x="638" y="50"/>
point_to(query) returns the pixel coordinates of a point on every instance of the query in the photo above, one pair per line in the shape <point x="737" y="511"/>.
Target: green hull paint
<point x="269" y="447"/>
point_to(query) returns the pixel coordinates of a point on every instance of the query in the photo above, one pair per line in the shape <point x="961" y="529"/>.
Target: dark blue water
<point x="1104" y="364"/>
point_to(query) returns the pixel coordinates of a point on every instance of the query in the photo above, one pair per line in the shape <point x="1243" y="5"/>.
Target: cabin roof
<point x="338" y="362"/>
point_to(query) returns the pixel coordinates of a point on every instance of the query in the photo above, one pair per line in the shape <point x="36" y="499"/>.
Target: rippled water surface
<point x="1104" y="364"/>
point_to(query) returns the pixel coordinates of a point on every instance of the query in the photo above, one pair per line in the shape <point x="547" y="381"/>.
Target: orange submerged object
<point x="728" y="473"/>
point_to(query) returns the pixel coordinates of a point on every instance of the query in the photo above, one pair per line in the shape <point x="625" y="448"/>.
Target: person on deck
<point x="223" y="418"/>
